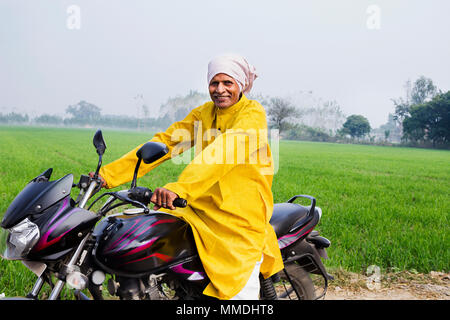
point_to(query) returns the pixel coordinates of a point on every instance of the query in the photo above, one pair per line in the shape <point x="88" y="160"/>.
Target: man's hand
<point x="163" y="198"/>
<point x="91" y="174"/>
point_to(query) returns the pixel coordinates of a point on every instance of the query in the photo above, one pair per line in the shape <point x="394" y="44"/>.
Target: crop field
<point x="383" y="206"/>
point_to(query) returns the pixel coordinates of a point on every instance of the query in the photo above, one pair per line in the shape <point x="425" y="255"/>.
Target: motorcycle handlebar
<point x="144" y="195"/>
<point x="137" y="196"/>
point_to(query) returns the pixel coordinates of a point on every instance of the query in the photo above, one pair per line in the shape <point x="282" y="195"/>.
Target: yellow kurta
<point x="228" y="189"/>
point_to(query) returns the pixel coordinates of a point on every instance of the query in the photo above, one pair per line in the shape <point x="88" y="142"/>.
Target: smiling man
<point x="224" y="91"/>
<point x="230" y="203"/>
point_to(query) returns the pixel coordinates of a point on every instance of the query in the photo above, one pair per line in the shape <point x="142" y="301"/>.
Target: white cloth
<point x="252" y="287"/>
<point x="236" y="67"/>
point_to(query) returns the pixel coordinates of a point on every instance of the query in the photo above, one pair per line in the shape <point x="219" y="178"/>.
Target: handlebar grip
<point x="144" y="195"/>
<point x="180" y="203"/>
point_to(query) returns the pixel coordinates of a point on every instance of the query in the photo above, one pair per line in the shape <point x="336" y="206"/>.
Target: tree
<point x="430" y="121"/>
<point x="177" y="108"/>
<point x="327" y="116"/>
<point x="423" y="90"/>
<point x="84" y="112"/>
<point x="13" y="117"/>
<point x="49" y="119"/>
<point x="356" y="126"/>
<point x="280" y="112"/>
<point x="304" y="132"/>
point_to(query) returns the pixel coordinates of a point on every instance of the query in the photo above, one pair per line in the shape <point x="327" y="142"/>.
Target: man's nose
<point x="220" y="88"/>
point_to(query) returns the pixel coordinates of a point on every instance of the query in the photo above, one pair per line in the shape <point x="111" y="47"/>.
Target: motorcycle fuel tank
<point x="139" y="244"/>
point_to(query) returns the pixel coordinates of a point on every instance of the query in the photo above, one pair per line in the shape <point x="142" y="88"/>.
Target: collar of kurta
<point x="234" y="108"/>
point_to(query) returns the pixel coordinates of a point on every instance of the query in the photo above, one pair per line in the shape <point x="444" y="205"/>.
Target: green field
<point x="382" y="206"/>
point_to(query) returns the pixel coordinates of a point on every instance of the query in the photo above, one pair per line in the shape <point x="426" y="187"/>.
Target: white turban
<point x="236" y="67"/>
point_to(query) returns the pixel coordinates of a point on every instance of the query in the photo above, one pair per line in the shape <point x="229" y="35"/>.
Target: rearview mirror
<point x="149" y="152"/>
<point x="152" y="151"/>
<point x="99" y="143"/>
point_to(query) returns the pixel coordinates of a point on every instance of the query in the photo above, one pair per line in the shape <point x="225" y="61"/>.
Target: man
<point x="227" y="184"/>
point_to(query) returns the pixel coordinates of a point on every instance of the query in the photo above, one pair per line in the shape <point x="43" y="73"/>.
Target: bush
<point x="304" y="132"/>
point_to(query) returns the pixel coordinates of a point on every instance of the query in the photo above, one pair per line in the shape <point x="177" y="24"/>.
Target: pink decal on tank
<point x="146" y="245"/>
<point x="149" y="227"/>
<point x="122" y="237"/>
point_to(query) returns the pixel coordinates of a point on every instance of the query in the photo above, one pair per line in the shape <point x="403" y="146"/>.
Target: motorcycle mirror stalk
<point x="85" y="180"/>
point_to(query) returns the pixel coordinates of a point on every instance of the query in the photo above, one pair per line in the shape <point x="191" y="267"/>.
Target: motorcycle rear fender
<point x="307" y="255"/>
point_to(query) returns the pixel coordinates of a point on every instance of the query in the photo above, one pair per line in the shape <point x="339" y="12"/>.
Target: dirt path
<point x="395" y="286"/>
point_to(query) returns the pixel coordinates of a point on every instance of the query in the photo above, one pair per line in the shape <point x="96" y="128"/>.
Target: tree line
<point x="85" y="114"/>
<point x="420" y="118"/>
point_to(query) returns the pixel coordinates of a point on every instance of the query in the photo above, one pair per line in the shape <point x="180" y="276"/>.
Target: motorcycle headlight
<point x="16" y="242"/>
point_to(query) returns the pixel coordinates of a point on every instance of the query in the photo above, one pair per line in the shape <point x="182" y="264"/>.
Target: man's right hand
<point x="91" y="174"/>
<point x="163" y="198"/>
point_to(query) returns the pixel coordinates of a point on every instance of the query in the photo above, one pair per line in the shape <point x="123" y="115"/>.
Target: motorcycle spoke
<point x="287" y="292"/>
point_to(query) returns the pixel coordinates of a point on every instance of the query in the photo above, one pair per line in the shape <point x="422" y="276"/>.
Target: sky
<point x="358" y="53"/>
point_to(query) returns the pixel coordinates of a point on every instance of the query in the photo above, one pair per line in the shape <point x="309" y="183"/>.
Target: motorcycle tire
<point x="298" y="285"/>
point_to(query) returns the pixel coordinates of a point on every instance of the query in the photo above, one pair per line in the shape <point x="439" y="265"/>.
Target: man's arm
<point x="178" y="137"/>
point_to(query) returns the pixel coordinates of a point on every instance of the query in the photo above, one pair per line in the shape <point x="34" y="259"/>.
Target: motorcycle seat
<point x="286" y="215"/>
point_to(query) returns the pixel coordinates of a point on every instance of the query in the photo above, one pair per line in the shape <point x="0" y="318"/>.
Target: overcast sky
<point x="356" y="52"/>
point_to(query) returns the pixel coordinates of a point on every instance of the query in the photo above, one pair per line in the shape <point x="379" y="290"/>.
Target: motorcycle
<point x="145" y="254"/>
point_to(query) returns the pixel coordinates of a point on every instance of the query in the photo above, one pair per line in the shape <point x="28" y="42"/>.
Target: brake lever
<point x="123" y="195"/>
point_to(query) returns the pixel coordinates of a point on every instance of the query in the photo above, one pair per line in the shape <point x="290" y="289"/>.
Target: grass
<point x="384" y="206"/>
<point x="381" y="205"/>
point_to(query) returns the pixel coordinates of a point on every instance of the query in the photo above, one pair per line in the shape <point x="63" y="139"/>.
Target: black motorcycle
<point x="147" y="254"/>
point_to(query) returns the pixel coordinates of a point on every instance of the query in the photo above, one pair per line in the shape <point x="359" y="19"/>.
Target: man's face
<point x="224" y="90"/>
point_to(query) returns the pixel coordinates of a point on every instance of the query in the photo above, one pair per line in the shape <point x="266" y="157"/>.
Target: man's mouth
<point x="221" y="97"/>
